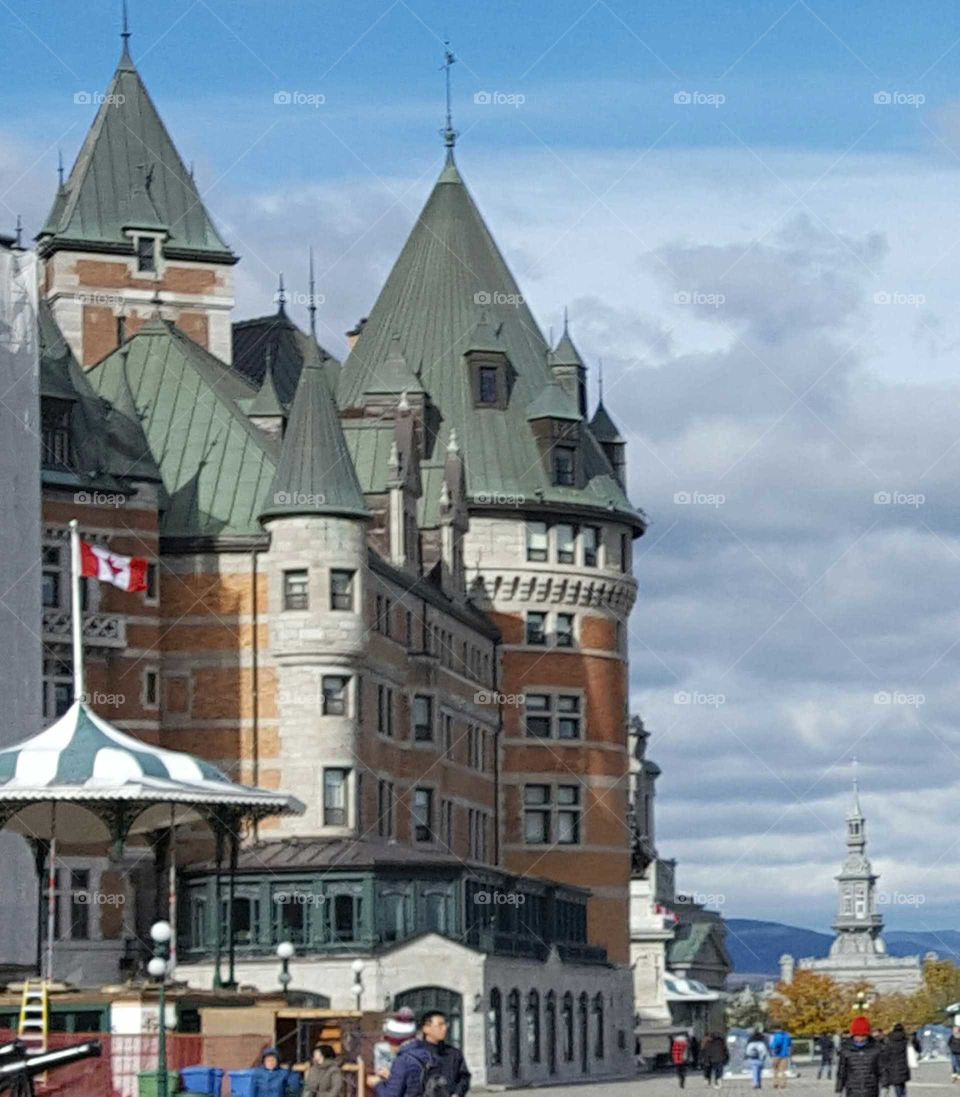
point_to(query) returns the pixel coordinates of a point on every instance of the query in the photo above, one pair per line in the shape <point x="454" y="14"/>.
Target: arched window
<point x="513" y="1030"/>
<point x="599" y="1045"/>
<point x="551" y="1010"/>
<point x="420" y="999"/>
<point x="567" y="1026"/>
<point x="533" y="1026"/>
<point x="495" y="1029"/>
<point x="583" y="1008"/>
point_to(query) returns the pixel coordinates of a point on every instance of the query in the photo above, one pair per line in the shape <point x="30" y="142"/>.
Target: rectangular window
<point x="344" y="917"/>
<point x="146" y="254"/>
<point x="537" y="541"/>
<point x="538" y="715"/>
<point x="51" y="576"/>
<point x="488" y="384"/>
<point x="408" y="639"/>
<point x="568" y="815"/>
<point x="385" y="711"/>
<point x="447" y="721"/>
<point x="536" y="628"/>
<point x="335" y="797"/>
<point x="422" y="719"/>
<point x="566" y="543"/>
<point x="423" y="815"/>
<point x="334" y="695"/>
<point x="536" y="814"/>
<point x="564" y="630"/>
<point x="153" y="578"/>
<point x="341" y="589"/>
<point x="565" y="466"/>
<point x="385" y="809"/>
<point x="151" y="688"/>
<point x="624" y="552"/>
<point x="446" y="823"/>
<point x="80" y="904"/>
<point x="590" y="538"/>
<point x="295" y="590"/>
<point x="387" y="615"/>
<point x="568" y="717"/>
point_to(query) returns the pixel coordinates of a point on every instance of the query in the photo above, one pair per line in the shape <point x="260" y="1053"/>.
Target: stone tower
<point x="858" y="925"/>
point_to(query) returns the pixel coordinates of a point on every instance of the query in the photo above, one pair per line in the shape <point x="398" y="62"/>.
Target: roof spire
<point x="312" y="299"/>
<point x="599" y="380"/>
<point x="19" y="232"/>
<point x="281" y="295"/>
<point x="449" y="133"/>
<point x="60" y="167"/>
<point x="125" y="33"/>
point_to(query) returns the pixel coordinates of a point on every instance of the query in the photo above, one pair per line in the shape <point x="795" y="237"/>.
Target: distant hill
<point x="756" y="947"/>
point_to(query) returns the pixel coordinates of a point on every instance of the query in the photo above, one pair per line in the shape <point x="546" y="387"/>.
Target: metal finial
<point x="565" y="319"/>
<point x="449" y="59"/>
<point x="281" y="294"/>
<point x="125" y="33"/>
<point x="312" y="306"/>
<point x="600" y="379"/>
<point x="60" y="166"/>
<point x="19" y="231"/>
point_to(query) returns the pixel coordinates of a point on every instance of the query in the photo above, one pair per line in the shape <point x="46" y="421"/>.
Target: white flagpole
<point x="172" y="886"/>
<point x="76" y="611"/>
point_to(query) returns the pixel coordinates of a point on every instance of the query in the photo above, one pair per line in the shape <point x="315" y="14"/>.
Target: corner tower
<point x="128" y="233"/>
<point x="548" y="546"/>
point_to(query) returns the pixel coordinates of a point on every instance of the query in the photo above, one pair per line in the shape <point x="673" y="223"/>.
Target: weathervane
<point x="312" y="298"/>
<point x="449" y="133"/>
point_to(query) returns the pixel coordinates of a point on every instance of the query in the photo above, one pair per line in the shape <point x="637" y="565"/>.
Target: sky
<point x="751" y="213"/>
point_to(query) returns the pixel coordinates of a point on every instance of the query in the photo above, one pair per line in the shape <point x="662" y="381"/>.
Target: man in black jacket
<point x="453" y="1067"/>
<point x="860" y="1063"/>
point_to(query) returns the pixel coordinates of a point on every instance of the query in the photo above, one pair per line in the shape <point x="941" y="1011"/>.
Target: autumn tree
<point x="811" y="1004"/>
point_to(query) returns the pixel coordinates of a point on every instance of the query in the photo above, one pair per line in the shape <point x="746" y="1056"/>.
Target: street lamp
<point x="285" y="951"/>
<point x="357" y="989"/>
<point x="160" y="932"/>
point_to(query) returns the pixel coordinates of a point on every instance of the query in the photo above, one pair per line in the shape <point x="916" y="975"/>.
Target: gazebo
<point x="94" y="785"/>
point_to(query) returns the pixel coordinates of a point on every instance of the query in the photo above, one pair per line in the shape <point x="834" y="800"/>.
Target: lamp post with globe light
<point x="160" y="933"/>
<point x="357" y="989"/>
<point x="285" y="951"/>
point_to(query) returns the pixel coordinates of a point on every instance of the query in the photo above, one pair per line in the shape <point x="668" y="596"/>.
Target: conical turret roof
<point x="315" y="474"/>
<point x="565" y="352"/>
<point x="107" y="193"/>
<point x="604" y="429"/>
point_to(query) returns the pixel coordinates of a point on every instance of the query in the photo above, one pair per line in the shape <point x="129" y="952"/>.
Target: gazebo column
<point x="234" y="860"/>
<point x="41" y="850"/>
<point x="219" y="835"/>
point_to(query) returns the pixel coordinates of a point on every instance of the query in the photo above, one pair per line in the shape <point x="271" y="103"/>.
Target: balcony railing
<point x="100" y="630"/>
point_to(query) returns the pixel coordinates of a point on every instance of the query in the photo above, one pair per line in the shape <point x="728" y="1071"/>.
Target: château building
<point x="395" y="588"/>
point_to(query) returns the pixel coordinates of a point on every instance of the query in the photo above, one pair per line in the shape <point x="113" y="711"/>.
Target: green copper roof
<point x="266" y="403"/>
<point x="448" y="274"/>
<point x="603" y="427"/>
<point x="216" y="467"/>
<point x="128" y="174"/>
<point x="277" y="339"/>
<point x="394" y="376"/>
<point x="565" y="353"/>
<point x="315" y="474"/>
<point x="554" y="402"/>
<point x="484" y="337"/>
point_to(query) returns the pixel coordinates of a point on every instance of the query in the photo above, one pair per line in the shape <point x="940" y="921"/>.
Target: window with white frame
<point x="341" y="589"/>
<point x="566" y="535"/>
<point x="422" y="718"/>
<point x="536" y="628"/>
<point x="423" y="825"/>
<point x="296" y="591"/>
<point x="553" y="715"/>
<point x="537" y="542"/>
<point x="551" y="813"/>
<point x="385" y="711"/>
<point x="335" y="688"/>
<point x="335" y="785"/>
<point x="563" y="633"/>
<point x="385" y="813"/>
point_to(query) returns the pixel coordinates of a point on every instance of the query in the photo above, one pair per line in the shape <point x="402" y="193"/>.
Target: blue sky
<point x="828" y="224"/>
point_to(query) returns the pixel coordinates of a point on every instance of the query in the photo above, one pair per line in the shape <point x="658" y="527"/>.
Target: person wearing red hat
<point x="860" y="1065"/>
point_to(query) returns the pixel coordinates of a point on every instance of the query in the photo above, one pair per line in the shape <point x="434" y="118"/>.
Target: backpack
<point x="753" y="1052"/>
<point x="433" y="1082"/>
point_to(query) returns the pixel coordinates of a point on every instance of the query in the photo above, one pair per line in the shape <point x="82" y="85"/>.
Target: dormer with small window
<point x="491" y="378"/>
<point x="555" y="422"/>
<point x="145" y="228"/>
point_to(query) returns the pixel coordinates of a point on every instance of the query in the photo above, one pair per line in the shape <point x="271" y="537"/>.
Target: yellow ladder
<point x="34" y="1021"/>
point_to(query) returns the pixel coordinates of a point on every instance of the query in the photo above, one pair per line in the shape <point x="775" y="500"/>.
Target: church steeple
<point x="858" y="923"/>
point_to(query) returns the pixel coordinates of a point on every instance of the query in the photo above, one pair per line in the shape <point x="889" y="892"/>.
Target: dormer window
<point x="488" y="384"/>
<point x="146" y="254"/>
<point x="57" y="448"/>
<point x="565" y="466"/>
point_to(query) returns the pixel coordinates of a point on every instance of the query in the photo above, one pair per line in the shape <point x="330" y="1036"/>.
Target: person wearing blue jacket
<point x="271" y="1079"/>
<point x="781" y="1048"/>
<point x="417" y="1070"/>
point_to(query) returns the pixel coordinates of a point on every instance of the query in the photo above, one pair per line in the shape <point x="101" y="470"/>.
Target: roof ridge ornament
<point x="312" y="298"/>
<point x="449" y="134"/>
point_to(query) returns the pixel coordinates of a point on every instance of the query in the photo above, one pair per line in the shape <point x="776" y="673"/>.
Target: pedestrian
<point x="270" y="1078"/>
<point x="781" y="1048"/>
<point x="756" y="1055"/>
<point x="417" y="1071"/>
<point x="398" y="1029"/>
<point x="859" y="1064"/>
<point x="713" y="1057"/>
<point x="953" y="1045"/>
<point x="324" y="1077"/>
<point x="896" y="1068"/>
<point x="825" y="1047"/>
<point x="679" y="1055"/>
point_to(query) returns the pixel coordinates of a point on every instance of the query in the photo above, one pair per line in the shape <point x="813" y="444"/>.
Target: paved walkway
<point x="927" y="1079"/>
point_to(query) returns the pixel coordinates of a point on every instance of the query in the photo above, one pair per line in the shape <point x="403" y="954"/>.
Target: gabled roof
<point x="128" y="172"/>
<point x="277" y="339"/>
<point x="394" y="376"/>
<point x="603" y="427"/>
<point x="449" y="273"/>
<point x="315" y="474"/>
<point x="215" y="465"/>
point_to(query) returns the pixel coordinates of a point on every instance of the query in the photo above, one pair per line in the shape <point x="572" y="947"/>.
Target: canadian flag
<point x="126" y="572"/>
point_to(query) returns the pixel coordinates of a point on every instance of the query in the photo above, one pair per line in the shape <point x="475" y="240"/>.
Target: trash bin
<point x="148" y="1083"/>
<point x="208" y="1080"/>
<point x="243" y="1083"/>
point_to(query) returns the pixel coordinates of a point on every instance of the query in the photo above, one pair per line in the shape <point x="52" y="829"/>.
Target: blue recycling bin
<point x="199" y="1079"/>
<point x="243" y="1083"/>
